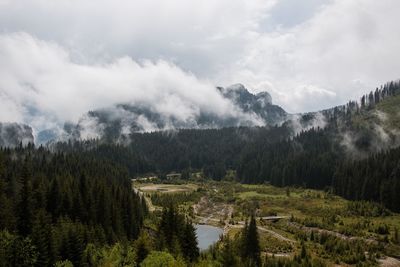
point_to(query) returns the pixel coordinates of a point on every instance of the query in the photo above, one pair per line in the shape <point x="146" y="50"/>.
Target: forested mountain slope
<point x="54" y="205"/>
<point x="281" y="155"/>
<point x="330" y="157"/>
<point x="12" y="134"/>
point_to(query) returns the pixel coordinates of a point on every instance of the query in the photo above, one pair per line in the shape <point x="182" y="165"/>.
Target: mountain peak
<point x="239" y="94"/>
<point x="240" y="91"/>
<point x="264" y="98"/>
<point x="237" y="87"/>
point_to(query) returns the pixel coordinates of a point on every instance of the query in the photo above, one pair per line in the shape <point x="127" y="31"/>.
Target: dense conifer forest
<point x="54" y="204"/>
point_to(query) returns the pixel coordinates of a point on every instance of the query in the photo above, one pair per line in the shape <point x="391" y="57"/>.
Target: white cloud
<point x="197" y="35"/>
<point x="344" y="50"/>
<point x="325" y="53"/>
<point x="45" y="87"/>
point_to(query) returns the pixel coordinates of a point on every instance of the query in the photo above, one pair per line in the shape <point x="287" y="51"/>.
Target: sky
<point x="61" y="58"/>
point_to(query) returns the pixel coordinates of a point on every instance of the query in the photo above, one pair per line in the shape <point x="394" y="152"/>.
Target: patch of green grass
<point x="389" y="118"/>
<point x="167" y="188"/>
<point x="271" y="244"/>
<point x="391" y="107"/>
<point x="253" y="195"/>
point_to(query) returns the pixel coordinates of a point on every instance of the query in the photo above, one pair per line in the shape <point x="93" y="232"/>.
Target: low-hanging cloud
<point x="44" y="87"/>
<point x="13" y="134"/>
<point x="298" y="123"/>
<point x="374" y="135"/>
<point x="309" y="55"/>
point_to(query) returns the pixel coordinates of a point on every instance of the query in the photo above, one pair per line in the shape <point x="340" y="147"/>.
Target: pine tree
<point x="53" y="199"/>
<point x="228" y="257"/>
<point x="168" y="228"/>
<point x="7" y="218"/>
<point x="75" y="246"/>
<point x="287" y="191"/>
<point x="303" y="253"/>
<point x="396" y="236"/>
<point x="24" y="206"/>
<point x="251" y="245"/>
<point x="41" y="238"/>
<point x="189" y="246"/>
<point x="142" y="247"/>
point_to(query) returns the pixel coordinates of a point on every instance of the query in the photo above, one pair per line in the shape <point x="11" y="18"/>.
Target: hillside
<point x="14" y="134"/>
<point x="390" y="107"/>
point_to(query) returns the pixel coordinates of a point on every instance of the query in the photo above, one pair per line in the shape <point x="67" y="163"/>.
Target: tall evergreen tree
<point x="251" y="245"/>
<point x="396" y="237"/>
<point x="142" y="247"/>
<point x="189" y="246"/>
<point x="228" y="257"/>
<point x="42" y="239"/>
<point x="24" y="207"/>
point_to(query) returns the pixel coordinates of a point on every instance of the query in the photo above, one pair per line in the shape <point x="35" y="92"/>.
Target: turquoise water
<point x="207" y="235"/>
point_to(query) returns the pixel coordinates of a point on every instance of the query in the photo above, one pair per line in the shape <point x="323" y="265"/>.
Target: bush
<point x="382" y="229"/>
<point x="161" y="259"/>
<point x="66" y="263"/>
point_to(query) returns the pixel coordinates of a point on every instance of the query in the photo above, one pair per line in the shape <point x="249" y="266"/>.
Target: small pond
<point x="207" y="235"/>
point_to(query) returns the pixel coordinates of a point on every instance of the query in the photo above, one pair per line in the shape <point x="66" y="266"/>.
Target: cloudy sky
<point x="60" y="58"/>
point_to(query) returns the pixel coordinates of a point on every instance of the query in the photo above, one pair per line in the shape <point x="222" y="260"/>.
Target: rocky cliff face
<point x="260" y="104"/>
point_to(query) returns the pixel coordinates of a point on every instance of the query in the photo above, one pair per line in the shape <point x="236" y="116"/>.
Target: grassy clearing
<point x="166" y="188"/>
<point x="386" y="113"/>
<point x="391" y="107"/>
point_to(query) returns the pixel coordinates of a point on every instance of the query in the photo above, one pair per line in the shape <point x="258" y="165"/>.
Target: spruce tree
<point x="396" y="236"/>
<point x="189" y="246"/>
<point x="53" y="199"/>
<point x="251" y="249"/>
<point x="41" y="238"/>
<point x="228" y="257"/>
<point x="142" y="247"/>
<point x="24" y="206"/>
<point x="75" y="245"/>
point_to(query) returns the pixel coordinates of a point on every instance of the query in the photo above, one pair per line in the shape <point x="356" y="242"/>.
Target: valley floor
<point x="332" y="229"/>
